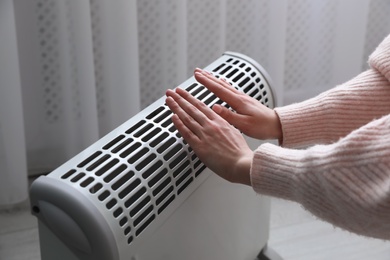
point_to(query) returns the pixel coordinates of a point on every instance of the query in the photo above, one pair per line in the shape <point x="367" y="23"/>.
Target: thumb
<point x="227" y="114"/>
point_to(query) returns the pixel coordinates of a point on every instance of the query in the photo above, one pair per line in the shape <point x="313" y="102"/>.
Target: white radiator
<point x="140" y="192"/>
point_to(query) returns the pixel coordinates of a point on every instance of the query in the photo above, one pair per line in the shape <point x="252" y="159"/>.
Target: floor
<point x="295" y="234"/>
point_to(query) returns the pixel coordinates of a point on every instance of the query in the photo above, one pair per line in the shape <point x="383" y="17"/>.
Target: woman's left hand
<point x="219" y="145"/>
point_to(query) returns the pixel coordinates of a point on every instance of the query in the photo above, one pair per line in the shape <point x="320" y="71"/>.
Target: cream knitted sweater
<point x="345" y="178"/>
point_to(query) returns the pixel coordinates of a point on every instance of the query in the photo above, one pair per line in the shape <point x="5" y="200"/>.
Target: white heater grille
<point x="144" y="168"/>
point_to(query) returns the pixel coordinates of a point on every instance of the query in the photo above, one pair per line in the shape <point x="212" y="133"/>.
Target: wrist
<point x="242" y="170"/>
<point x="277" y="128"/>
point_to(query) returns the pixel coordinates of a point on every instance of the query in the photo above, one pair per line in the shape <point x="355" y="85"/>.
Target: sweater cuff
<point x="272" y="171"/>
<point x="297" y="123"/>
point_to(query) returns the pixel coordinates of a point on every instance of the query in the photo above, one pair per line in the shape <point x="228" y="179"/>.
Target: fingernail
<point x="198" y="74"/>
<point x="169" y="92"/>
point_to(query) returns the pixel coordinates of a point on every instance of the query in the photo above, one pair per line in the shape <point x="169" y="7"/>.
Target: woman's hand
<point x="218" y="144"/>
<point x="251" y="117"/>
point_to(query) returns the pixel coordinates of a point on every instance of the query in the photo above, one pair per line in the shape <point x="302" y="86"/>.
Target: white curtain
<point x="72" y="70"/>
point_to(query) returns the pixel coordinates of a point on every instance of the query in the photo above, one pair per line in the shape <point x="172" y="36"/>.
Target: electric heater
<point x="140" y="192"/>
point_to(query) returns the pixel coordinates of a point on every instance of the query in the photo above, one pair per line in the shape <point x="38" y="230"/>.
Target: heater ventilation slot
<point x="129" y="150"/>
<point x="177" y="160"/>
<point x="139" y="206"/>
<point x="104" y="195"/>
<point x="78" y="177"/>
<point x="117" y="212"/>
<point x="111" y="204"/>
<point x="89" y="159"/>
<point x="159" y="139"/>
<point x="152" y="169"/>
<point x="96" y="188"/>
<point x="161" y="209"/>
<point x="143" y="130"/>
<point x="135" y="127"/>
<point x="137" y="195"/>
<point x="98" y="162"/>
<point x="106" y="167"/>
<point x="166" y="145"/>
<point x="225" y="70"/>
<point x="123" y="222"/>
<point x="119" y="183"/>
<point x="138" y="155"/>
<point x="198" y="172"/>
<point x="184" y="186"/>
<point x="205" y="94"/>
<point x="164" y="195"/>
<point x="157" y="177"/>
<point x="127" y="231"/>
<point x="129" y="188"/>
<point x="183" y="177"/>
<point x="238" y="77"/>
<point x="197" y="91"/>
<point x="68" y="174"/>
<point x="219" y="67"/>
<point x="144" y="214"/>
<point x="122" y="145"/>
<point x="86" y="182"/>
<point x="137" y="232"/>
<point x="115" y="173"/>
<point x="172" y="152"/>
<point x="151" y="134"/>
<point x="113" y="142"/>
<point x="181" y="168"/>
<point x="155" y="112"/>
<point x="167" y="123"/>
<point x="145" y="162"/>
<point x="163" y="116"/>
<point x="160" y="187"/>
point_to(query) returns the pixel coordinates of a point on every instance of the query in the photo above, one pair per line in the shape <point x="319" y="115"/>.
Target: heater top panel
<point x="131" y="180"/>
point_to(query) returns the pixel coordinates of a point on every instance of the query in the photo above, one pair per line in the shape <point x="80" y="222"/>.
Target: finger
<point x="198" y="70"/>
<point x="189" y="121"/>
<point x="191" y="138"/>
<point x="219" y="80"/>
<point x="228" y="94"/>
<point x="190" y="115"/>
<point x="230" y="116"/>
<point x="196" y="103"/>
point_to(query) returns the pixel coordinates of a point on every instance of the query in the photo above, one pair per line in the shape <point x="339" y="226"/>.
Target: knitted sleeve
<point x="346" y="183"/>
<point x="335" y="113"/>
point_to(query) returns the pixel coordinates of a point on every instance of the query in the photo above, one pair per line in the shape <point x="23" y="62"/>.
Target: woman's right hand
<point x="250" y="116"/>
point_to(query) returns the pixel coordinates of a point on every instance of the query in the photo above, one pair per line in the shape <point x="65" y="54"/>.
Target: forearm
<point x="346" y="183"/>
<point x="335" y="113"/>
